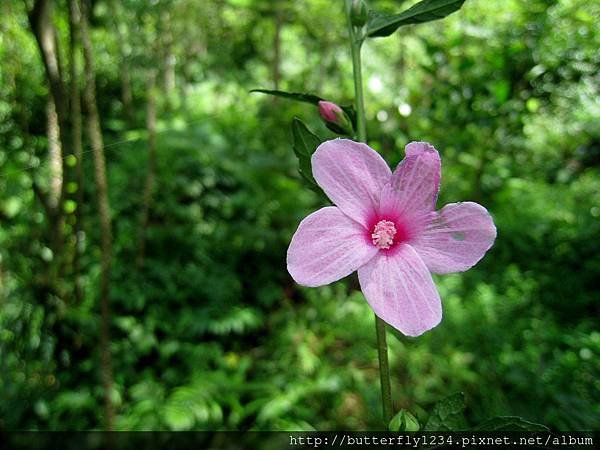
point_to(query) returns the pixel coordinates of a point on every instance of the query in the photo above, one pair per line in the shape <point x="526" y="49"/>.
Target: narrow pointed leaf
<point x="381" y="25"/>
<point x="305" y="144"/>
<point x="297" y="96"/>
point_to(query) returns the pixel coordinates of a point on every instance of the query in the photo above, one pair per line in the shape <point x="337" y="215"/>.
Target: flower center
<point x="383" y="234"/>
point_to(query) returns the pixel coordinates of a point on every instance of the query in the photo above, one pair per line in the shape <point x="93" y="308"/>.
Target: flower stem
<point x="384" y="371"/>
<point x="361" y="134"/>
<point x="358" y="89"/>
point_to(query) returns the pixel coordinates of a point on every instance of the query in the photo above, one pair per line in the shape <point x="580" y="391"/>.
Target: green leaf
<point x="448" y="414"/>
<point x="381" y="25"/>
<point x="404" y="421"/>
<point x="508" y="423"/>
<point x="305" y="144"/>
<point x="299" y="97"/>
<point x="177" y="417"/>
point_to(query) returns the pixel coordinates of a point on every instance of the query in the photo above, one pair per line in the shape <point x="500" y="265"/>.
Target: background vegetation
<point x="206" y="330"/>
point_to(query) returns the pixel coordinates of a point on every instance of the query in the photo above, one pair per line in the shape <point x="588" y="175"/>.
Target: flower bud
<point x="359" y="13"/>
<point x="335" y="118"/>
<point x="329" y="111"/>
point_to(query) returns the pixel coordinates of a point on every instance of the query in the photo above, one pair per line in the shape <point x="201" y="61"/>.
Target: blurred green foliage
<point x="211" y="333"/>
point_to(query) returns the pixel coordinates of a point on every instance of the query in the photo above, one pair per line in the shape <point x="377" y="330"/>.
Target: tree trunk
<point x="96" y="141"/>
<point x="169" y="71"/>
<point x="54" y="154"/>
<point x="124" y="72"/>
<point x="76" y="143"/>
<point x="40" y="20"/>
<point x="151" y="168"/>
<point x="55" y="185"/>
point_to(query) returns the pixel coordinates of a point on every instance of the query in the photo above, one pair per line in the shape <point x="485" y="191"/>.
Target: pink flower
<point x="385" y="226"/>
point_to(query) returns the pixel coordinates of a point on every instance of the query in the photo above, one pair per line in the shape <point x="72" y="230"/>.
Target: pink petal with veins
<point x="415" y="184"/>
<point x="400" y="290"/>
<point x="457" y="237"/>
<point x="352" y="175"/>
<point x="327" y="247"/>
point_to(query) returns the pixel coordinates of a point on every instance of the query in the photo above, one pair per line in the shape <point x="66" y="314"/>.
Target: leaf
<point x="305" y="144"/>
<point x="299" y="97"/>
<point x="447" y="414"/>
<point x="178" y="418"/>
<point x="381" y="25"/>
<point x="404" y="421"/>
<point x="509" y="423"/>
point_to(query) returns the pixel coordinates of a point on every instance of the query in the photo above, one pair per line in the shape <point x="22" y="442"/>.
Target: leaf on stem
<point x="297" y="96"/>
<point x="305" y="144"/>
<point x="381" y="25"/>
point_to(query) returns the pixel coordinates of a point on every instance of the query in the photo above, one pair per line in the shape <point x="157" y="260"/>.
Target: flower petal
<point x="327" y="247"/>
<point x="415" y="184"/>
<point x="457" y="237"/>
<point x="400" y="290"/>
<point x="352" y="175"/>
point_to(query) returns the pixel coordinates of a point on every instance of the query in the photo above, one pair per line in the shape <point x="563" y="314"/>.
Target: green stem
<point x="384" y="371"/>
<point x="358" y="90"/>
<point x="361" y="134"/>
